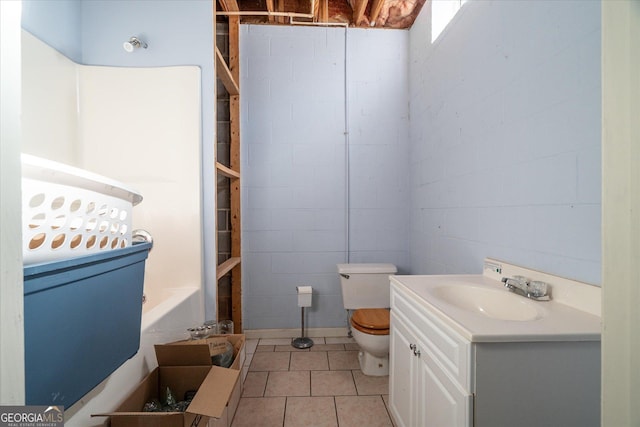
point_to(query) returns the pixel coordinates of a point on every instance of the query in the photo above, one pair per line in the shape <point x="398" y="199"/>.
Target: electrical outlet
<point x="493" y="267"/>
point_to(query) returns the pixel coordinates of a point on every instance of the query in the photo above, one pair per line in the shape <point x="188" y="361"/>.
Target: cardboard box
<point x="199" y="352"/>
<point x="214" y="387"/>
<point x="185" y="366"/>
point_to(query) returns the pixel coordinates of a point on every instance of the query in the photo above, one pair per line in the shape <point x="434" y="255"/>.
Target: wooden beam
<point x="225" y="171"/>
<point x="376" y="7"/>
<point x="321" y="11"/>
<point x="270" y="9"/>
<point x="236" y="298"/>
<point x="226" y="267"/>
<point x="234" y="53"/>
<point x="280" y="8"/>
<point x="234" y="162"/>
<point x="229" y="5"/>
<point x="224" y="74"/>
<point x="358" y="11"/>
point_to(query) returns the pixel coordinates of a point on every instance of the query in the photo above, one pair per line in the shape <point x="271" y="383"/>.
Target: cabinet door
<point x="402" y="366"/>
<point x="443" y="402"/>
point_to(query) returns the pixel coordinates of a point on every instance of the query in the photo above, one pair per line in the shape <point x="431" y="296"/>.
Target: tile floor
<point x="317" y="387"/>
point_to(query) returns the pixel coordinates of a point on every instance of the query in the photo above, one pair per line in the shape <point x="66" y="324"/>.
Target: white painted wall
<point x="294" y="164"/>
<point x="505" y="138"/>
<point x="11" y="285"/>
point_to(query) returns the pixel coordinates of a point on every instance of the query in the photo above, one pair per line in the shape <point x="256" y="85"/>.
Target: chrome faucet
<point x="522" y="286"/>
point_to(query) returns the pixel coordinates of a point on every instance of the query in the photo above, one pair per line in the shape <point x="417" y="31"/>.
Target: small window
<point x="442" y="12"/>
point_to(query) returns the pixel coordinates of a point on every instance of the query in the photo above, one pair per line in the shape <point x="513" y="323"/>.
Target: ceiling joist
<point x="359" y="7"/>
<point x="270" y="9"/>
<point x="357" y="13"/>
<point x="376" y="7"/>
<point x="229" y="5"/>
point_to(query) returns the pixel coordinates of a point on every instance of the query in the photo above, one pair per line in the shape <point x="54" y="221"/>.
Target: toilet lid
<point x="375" y="319"/>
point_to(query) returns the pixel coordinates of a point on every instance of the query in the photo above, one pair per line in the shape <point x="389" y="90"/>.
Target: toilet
<point x="365" y="290"/>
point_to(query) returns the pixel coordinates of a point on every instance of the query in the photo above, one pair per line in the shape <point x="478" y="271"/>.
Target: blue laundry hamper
<point x="82" y="321"/>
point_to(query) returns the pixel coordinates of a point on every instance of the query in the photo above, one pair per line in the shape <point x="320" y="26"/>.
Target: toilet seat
<point x="372" y="321"/>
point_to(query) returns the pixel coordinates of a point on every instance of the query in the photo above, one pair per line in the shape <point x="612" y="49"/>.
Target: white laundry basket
<point x="69" y="212"/>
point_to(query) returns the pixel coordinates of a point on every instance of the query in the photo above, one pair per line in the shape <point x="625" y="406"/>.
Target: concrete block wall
<point x="294" y="207"/>
<point x="378" y="145"/>
<point x="505" y="138"/>
<point x="223" y="184"/>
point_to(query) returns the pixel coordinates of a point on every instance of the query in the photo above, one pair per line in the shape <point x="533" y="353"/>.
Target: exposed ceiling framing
<point x="355" y="13"/>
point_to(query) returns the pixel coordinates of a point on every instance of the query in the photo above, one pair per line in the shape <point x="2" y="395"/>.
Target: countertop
<point x="556" y="321"/>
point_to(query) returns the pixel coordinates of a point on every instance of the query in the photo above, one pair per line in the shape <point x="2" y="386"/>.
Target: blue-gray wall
<point x="57" y="23"/>
<point x="505" y="138"/>
<point x="179" y="32"/>
<point x="294" y="176"/>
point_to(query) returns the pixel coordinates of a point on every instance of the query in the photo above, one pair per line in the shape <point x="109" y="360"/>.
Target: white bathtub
<point x="163" y="320"/>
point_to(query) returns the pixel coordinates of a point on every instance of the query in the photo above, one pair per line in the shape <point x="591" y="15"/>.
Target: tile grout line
<point x="284" y="415"/>
<point x="264" y="389"/>
<point x="355" y="384"/>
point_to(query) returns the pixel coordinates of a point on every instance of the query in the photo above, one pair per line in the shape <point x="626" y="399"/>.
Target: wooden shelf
<point x="228" y="172"/>
<point x="226" y="267"/>
<point x="224" y="74"/>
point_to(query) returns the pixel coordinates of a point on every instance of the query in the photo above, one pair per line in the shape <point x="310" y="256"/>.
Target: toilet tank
<point x="365" y="285"/>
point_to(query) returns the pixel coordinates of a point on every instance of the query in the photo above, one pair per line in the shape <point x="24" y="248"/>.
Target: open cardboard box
<point x="185" y="366"/>
<point x="196" y="352"/>
<point x="199" y="352"/>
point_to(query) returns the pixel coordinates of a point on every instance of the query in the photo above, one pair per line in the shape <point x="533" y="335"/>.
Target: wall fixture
<point x="134" y="43"/>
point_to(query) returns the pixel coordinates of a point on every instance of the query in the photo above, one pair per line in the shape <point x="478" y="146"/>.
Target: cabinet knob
<point x="416" y="352"/>
<point x="412" y="347"/>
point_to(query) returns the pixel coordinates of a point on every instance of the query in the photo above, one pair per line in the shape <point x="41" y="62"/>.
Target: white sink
<point x="481" y="309"/>
<point x="494" y="303"/>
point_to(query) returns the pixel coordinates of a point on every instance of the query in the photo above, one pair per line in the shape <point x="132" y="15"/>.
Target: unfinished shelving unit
<point x="228" y="272"/>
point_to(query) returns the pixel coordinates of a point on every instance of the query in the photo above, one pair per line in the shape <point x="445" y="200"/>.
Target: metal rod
<point x="302" y="342"/>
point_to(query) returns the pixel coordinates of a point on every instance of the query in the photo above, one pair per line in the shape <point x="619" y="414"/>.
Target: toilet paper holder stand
<point x="304" y="300"/>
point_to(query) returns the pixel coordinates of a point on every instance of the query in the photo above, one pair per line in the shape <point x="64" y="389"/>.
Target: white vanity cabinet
<point x="421" y="393"/>
<point x="440" y="378"/>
